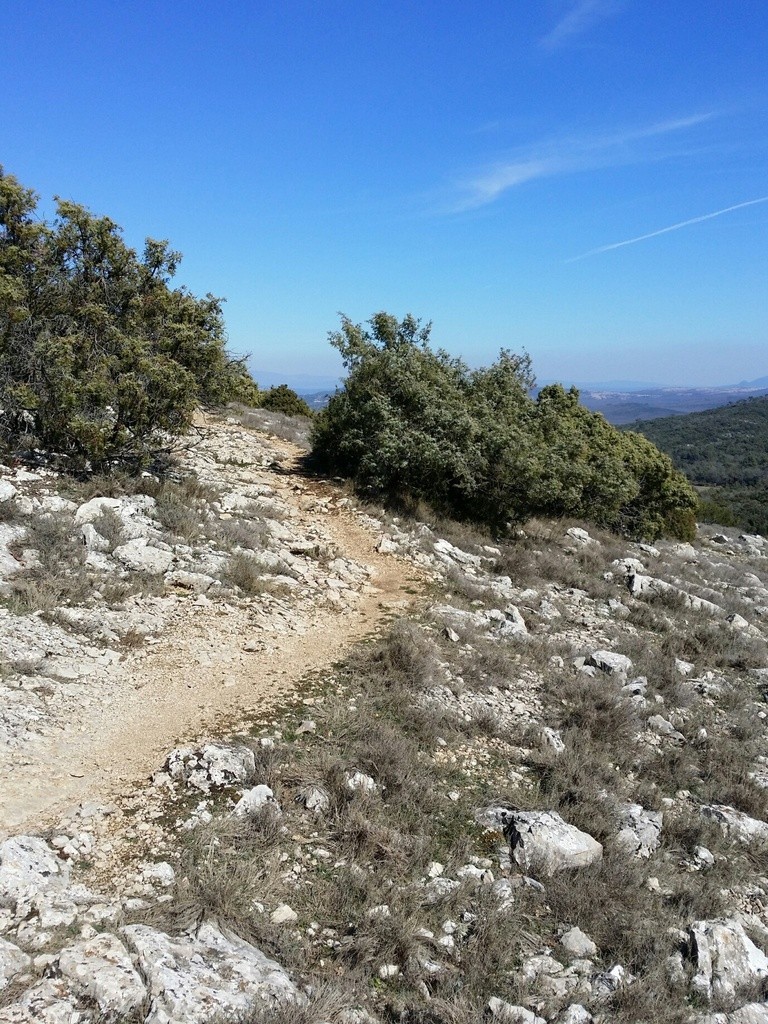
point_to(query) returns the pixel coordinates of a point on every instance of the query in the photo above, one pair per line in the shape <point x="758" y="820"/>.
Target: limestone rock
<point x="725" y="959"/>
<point x="664" y="727"/>
<point x="254" y="800"/>
<point x="578" y="943"/>
<point x="139" y="556"/>
<point x="552" y="740"/>
<point x="506" y="1013"/>
<point x="315" y="799"/>
<point x="640" y="830"/>
<point x="575" y="1014"/>
<point x="12" y="962"/>
<point x="195" y="979"/>
<point x="211" y="765"/>
<point x="359" y="782"/>
<point x="49" y="1002"/>
<point x="611" y="663"/>
<point x="581" y="536"/>
<point x="196" y="582"/>
<point x="28" y="863"/>
<point x="542" y="843"/>
<point x="91" y="510"/>
<point x="737" y="823"/>
<point x="494" y="623"/>
<point x="101" y="969"/>
<point x="283" y="915"/>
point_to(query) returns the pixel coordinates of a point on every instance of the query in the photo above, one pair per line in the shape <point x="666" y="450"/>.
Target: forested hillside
<point x="724" y="452"/>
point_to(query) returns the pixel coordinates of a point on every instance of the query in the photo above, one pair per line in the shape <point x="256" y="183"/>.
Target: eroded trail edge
<point x="217" y="663"/>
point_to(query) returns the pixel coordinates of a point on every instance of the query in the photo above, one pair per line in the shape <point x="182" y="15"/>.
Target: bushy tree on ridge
<point x="99" y="355"/>
<point x="416" y="424"/>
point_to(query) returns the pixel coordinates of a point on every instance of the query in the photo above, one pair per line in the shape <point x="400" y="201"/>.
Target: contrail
<point x="672" y="227"/>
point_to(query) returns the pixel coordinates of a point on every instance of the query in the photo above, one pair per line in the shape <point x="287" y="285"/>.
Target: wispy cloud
<point x="671" y="227"/>
<point x="582" y="16"/>
<point x="557" y="157"/>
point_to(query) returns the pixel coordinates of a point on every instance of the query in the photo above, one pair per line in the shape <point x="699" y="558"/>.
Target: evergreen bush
<point x="99" y="356"/>
<point x="414" y="424"/>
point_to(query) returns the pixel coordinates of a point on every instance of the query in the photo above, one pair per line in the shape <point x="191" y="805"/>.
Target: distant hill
<point x="625" y="406"/>
<point x="316" y="399"/>
<point x="724" y="452"/>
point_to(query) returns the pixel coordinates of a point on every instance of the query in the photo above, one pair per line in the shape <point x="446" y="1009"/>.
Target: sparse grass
<point x="611" y="902"/>
<point x="59" y="575"/>
<point x="367" y="850"/>
<point x="250" y="534"/>
<point x="178" y="516"/>
<point x="227" y="869"/>
<point x="243" y="572"/>
<point x="9" y="511"/>
<point x="328" y="1003"/>
<point x="295" y="429"/>
<point x="110" y="526"/>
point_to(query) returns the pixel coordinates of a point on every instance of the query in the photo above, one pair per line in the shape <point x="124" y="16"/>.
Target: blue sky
<point x="478" y="165"/>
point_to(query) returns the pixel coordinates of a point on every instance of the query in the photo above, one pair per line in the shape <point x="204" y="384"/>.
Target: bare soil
<point x="197" y="680"/>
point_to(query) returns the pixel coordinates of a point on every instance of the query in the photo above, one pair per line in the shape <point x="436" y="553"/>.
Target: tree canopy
<point x="99" y="354"/>
<point x="416" y="424"/>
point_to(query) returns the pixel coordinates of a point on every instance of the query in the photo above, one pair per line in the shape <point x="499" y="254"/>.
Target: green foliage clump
<point x="285" y="400"/>
<point x="99" y="355"/>
<point x="413" y="424"/>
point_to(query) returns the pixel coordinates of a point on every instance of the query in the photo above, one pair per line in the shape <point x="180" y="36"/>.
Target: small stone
<point x="578" y="943"/>
<point x="284" y="915"/>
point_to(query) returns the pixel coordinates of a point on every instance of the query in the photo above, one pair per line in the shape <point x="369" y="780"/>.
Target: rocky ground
<point x="537" y="792"/>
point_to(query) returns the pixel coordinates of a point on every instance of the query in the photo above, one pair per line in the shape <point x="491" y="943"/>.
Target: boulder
<point x="139" y="556"/>
<point x="197" y="979"/>
<point x="101" y="969"/>
<point x="725" y="959"/>
<point x="542" y="843"/>
<point x="211" y="765"/>
<point x="28" y="863"/>
<point x="640" y="830"/>
<point x="12" y="962"/>
<point x="737" y="824"/>
<point x="611" y="663"/>
<point x="254" y="800"/>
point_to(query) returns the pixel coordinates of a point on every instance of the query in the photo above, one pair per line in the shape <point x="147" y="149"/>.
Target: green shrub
<point x="99" y="356"/>
<point x="285" y="400"/>
<point x="412" y="424"/>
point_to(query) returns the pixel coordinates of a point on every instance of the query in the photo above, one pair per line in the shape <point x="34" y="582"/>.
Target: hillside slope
<point x="724" y="452"/>
<point x="536" y="792"/>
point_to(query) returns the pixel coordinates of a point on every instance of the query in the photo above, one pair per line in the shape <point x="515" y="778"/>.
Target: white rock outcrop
<point x="725" y="959"/>
<point x="195" y="979"/>
<point x="542" y="843"/>
<point x="101" y="969"/>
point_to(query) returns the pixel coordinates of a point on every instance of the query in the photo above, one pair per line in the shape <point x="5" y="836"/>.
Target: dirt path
<point x="198" y="680"/>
